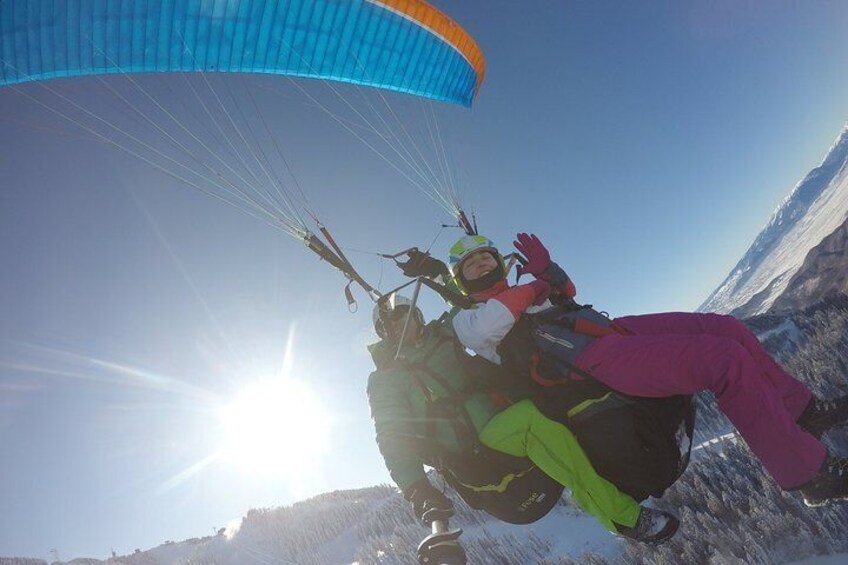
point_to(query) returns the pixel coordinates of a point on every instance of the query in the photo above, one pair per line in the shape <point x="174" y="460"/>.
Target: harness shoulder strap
<point x="451" y="406"/>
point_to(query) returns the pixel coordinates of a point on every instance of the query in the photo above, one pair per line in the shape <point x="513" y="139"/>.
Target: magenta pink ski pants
<point x="683" y="353"/>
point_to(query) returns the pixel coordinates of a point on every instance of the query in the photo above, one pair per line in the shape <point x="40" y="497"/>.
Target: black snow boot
<point x="821" y="415"/>
<point x="830" y="485"/>
<point x="653" y="526"/>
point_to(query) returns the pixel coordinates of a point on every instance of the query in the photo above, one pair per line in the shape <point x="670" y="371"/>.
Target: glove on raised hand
<point x="425" y="497"/>
<point x="538" y="258"/>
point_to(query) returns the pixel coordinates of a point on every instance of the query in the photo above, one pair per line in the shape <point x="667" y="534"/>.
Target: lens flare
<point x="275" y="427"/>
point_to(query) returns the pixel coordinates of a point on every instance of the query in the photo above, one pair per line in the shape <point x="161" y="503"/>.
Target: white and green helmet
<point x="466" y="246"/>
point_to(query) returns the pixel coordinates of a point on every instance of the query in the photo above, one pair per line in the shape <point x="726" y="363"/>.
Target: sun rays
<point x="51" y="362"/>
<point x="269" y="429"/>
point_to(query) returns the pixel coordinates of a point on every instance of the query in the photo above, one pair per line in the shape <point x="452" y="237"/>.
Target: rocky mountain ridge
<point x="816" y="208"/>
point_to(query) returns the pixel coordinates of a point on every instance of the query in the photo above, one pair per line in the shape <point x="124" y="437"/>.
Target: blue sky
<point x="646" y="143"/>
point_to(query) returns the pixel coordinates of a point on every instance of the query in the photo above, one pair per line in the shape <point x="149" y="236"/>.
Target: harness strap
<point x="428" y="396"/>
<point x="464" y="431"/>
<point x="535" y="359"/>
<point x="586" y="327"/>
<point x="582" y="325"/>
<point x="450" y="296"/>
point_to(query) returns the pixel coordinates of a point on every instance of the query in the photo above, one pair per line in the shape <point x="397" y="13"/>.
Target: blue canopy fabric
<point x="402" y="45"/>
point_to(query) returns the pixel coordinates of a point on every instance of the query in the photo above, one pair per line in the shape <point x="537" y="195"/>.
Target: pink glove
<point x="542" y="290"/>
<point x="538" y="258"/>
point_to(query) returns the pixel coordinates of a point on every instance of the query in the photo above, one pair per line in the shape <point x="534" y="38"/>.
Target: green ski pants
<point x="521" y="430"/>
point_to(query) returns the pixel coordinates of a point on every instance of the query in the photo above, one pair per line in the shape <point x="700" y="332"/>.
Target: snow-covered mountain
<point x="816" y="207"/>
<point x="368" y="526"/>
<point x="823" y="274"/>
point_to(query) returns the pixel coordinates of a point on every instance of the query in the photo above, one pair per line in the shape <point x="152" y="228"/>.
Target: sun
<point x="273" y="428"/>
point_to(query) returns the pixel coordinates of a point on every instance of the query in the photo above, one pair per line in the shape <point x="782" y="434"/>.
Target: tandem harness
<point x="642" y="445"/>
<point x="512" y="489"/>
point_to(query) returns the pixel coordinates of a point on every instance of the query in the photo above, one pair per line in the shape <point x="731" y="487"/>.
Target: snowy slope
<point x="823" y="274"/>
<point x="816" y="207"/>
<point x="385" y="524"/>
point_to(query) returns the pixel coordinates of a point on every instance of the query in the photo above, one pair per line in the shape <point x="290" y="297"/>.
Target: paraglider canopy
<point x="402" y="45"/>
<point x="406" y="46"/>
